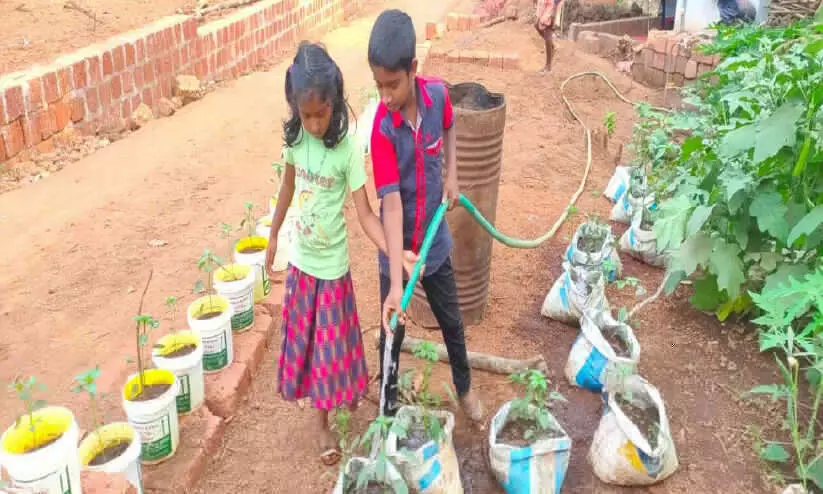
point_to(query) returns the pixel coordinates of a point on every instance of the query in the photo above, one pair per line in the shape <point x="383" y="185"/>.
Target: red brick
<point x="139" y="78"/>
<point x="135" y="102"/>
<point x="437" y="53"/>
<point x="14" y="103"/>
<point x="126" y="108"/>
<point x="128" y="82"/>
<point x="225" y="389"/>
<point x="3" y="155"/>
<point x="659" y="61"/>
<point x="116" y="87"/>
<point x="691" y="69"/>
<point x="94" y="70"/>
<point x="66" y="81"/>
<point x="702" y="68"/>
<point x="431" y="30"/>
<point x="496" y="60"/>
<point x="48" y="122"/>
<point x="78" y="109"/>
<point x="108" y="64"/>
<point x="249" y="348"/>
<point x="680" y="64"/>
<point x="140" y="50"/>
<point x="452" y="22"/>
<point x="62" y="112"/>
<point x="148" y="73"/>
<point x="93" y="100"/>
<point x="2" y="110"/>
<point x="119" y="57"/>
<point x="105" y="94"/>
<point x="31" y="129"/>
<point x="80" y="77"/>
<point x="105" y="483"/>
<point x="147" y="98"/>
<point x="511" y="61"/>
<point x="178" y="34"/>
<point x="453" y="56"/>
<point x="35" y="101"/>
<point x="481" y="58"/>
<point x="701" y="58"/>
<point x="131" y="55"/>
<point x="474" y="22"/>
<point x="12" y="135"/>
<point x="463" y="23"/>
<point x="190" y="29"/>
<point x="658" y="44"/>
<point x="51" y="88"/>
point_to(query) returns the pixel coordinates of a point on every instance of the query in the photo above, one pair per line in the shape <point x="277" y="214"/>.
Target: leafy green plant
<point x="249" y="219"/>
<point x="171" y="306"/>
<point x="610" y="123"/>
<point x="792" y="326"/>
<point x="26" y="388"/>
<point x="423" y="397"/>
<point x="740" y="176"/>
<point x="630" y="281"/>
<point x="208" y="263"/>
<point x="532" y="407"/>
<point x="374" y="439"/>
<point x="144" y="326"/>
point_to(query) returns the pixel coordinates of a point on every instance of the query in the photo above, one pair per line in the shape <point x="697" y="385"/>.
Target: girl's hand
<point x="270" y="252"/>
<point x="409" y="260"/>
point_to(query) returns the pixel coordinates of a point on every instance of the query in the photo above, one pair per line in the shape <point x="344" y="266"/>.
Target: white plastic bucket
<point x="239" y="292"/>
<point x="215" y="333"/>
<point x="154" y="420"/>
<point x="188" y="368"/>
<point x="256" y="261"/>
<point x="281" y="257"/>
<point x="53" y="469"/>
<point x="128" y="462"/>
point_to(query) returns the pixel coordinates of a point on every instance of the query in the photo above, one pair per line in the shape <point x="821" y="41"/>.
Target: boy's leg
<point x="399" y="332"/>
<point x="441" y="292"/>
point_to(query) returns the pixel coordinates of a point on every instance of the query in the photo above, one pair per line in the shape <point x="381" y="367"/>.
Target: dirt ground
<point x="76" y="253"/>
<point x="699" y="365"/>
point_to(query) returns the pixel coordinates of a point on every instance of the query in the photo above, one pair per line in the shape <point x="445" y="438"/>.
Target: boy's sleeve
<point x="384" y="159"/>
<point x="448" y="112"/>
<point x="356" y="173"/>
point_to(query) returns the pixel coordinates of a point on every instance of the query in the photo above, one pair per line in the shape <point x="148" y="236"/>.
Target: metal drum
<point x="480" y="119"/>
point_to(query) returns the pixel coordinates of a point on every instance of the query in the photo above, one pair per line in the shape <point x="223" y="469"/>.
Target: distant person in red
<point x="547" y="11"/>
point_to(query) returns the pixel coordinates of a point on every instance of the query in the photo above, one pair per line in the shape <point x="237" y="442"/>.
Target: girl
<point x="548" y="12"/>
<point x="321" y="356"/>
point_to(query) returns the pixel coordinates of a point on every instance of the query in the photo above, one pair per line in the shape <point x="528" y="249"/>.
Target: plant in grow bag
<point x="87" y="383"/>
<point x="371" y="478"/>
<point x="593" y="235"/>
<point x="26" y="389"/>
<point x="529" y="418"/>
<point x="428" y="427"/>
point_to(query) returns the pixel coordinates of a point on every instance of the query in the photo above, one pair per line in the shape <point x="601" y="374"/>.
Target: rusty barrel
<point x="479" y="119"/>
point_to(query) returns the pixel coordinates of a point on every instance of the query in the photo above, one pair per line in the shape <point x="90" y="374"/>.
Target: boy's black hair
<point x="313" y="71"/>
<point x="393" y="43"/>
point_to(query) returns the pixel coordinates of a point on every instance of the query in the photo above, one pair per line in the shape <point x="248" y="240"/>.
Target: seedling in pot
<point x="428" y="426"/>
<point x="529" y="418"/>
<point x="26" y="389"/>
<point x="208" y="264"/>
<point x="144" y="326"/>
<point x="646" y="220"/>
<point x="371" y="477"/>
<point x="87" y="383"/>
<point x="174" y="348"/>
<point x="593" y="234"/>
<point x="249" y="222"/>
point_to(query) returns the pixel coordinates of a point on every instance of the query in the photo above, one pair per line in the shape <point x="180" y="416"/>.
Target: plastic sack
<point x="622" y="210"/>
<point x="618" y="184"/>
<point x="432" y="468"/>
<point x="593" y="363"/>
<point x="392" y="476"/>
<point x="538" y="468"/>
<point x="641" y="244"/>
<point x="620" y="454"/>
<point x="578" y="289"/>
<point x="607" y="257"/>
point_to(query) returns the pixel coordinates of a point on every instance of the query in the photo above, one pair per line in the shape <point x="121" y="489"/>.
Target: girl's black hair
<point x="313" y="71"/>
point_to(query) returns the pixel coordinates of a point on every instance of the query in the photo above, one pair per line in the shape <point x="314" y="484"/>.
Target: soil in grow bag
<point x="646" y="223"/>
<point x="473" y="97"/>
<point x="370" y="488"/>
<point x="647" y="419"/>
<point x="617" y="342"/>
<point x="251" y="249"/>
<point x="591" y="243"/>
<point x="417" y="435"/>
<point x="151" y="391"/>
<point x="110" y="452"/>
<point x="183" y="350"/>
<point x="513" y="433"/>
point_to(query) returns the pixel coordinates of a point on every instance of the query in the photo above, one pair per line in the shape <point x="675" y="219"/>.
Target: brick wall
<point x="675" y="53"/>
<point x="105" y="83"/>
<point x="633" y="26"/>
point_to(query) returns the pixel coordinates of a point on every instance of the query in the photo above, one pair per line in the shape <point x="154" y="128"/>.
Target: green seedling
<point x="171" y="306"/>
<point x="424" y="398"/>
<point x="144" y="326"/>
<point x="633" y="282"/>
<point x="249" y="219"/>
<point x="226" y="232"/>
<point x="532" y="406"/>
<point x="26" y="389"/>
<point x="87" y="383"/>
<point x="208" y="263"/>
<point x="374" y="439"/>
<point x="610" y="123"/>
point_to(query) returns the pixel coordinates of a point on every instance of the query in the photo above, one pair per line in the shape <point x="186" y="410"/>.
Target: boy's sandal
<point x="330" y="457"/>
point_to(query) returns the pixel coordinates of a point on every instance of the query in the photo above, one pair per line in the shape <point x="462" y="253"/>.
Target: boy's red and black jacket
<point x="410" y="161"/>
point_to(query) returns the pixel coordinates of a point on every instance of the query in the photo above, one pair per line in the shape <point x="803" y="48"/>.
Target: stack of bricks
<point x="673" y="53"/>
<point x="103" y="84"/>
<point x="482" y="58"/>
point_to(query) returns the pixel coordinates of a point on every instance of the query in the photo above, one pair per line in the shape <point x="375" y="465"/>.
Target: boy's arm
<point x="451" y="188"/>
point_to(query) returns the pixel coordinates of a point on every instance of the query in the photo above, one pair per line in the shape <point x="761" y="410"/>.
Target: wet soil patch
<point x="514" y="431"/>
<point x="646" y="419"/>
<point x="110" y="452"/>
<point x="151" y="391"/>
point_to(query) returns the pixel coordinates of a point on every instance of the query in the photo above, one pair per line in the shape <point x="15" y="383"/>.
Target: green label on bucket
<point x="215" y="352"/>
<point x="242" y="320"/>
<point x="56" y="481"/>
<point x="184" y="396"/>
<point x="155" y="437"/>
<point x="266" y="281"/>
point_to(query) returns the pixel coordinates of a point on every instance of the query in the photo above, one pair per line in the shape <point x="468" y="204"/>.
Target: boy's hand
<point x="270" y="252"/>
<point x="391" y="306"/>
<point x="409" y="260"/>
<point x="451" y="191"/>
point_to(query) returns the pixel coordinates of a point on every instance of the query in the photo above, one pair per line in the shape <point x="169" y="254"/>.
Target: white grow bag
<point x="538" y="468"/>
<point x="593" y="363"/>
<point x="578" y="289"/>
<point x="622" y="210"/>
<point x="618" y="184"/>
<point x="433" y="468"/>
<point x="574" y="255"/>
<point x="392" y="476"/>
<point x="620" y="454"/>
<point x="642" y="244"/>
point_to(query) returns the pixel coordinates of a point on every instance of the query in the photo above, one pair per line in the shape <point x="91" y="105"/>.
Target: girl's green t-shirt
<point x="322" y="178"/>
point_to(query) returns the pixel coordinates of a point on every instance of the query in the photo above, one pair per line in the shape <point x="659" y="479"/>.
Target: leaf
<point x="814" y="472"/>
<point x="777" y="391"/>
<point x="738" y="140"/>
<point x="775" y="453"/>
<point x="698" y="219"/>
<point x="694" y="252"/>
<point x="783" y="274"/>
<point x="777" y="131"/>
<point x="706" y="294"/>
<point x="671" y="224"/>
<point x="770" y="211"/>
<point x="726" y="264"/>
<point x="807" y="225"/>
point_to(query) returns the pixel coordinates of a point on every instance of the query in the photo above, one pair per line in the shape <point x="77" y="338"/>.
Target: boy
<point x="547" y="16"/>
<point x="412" y="129"/>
